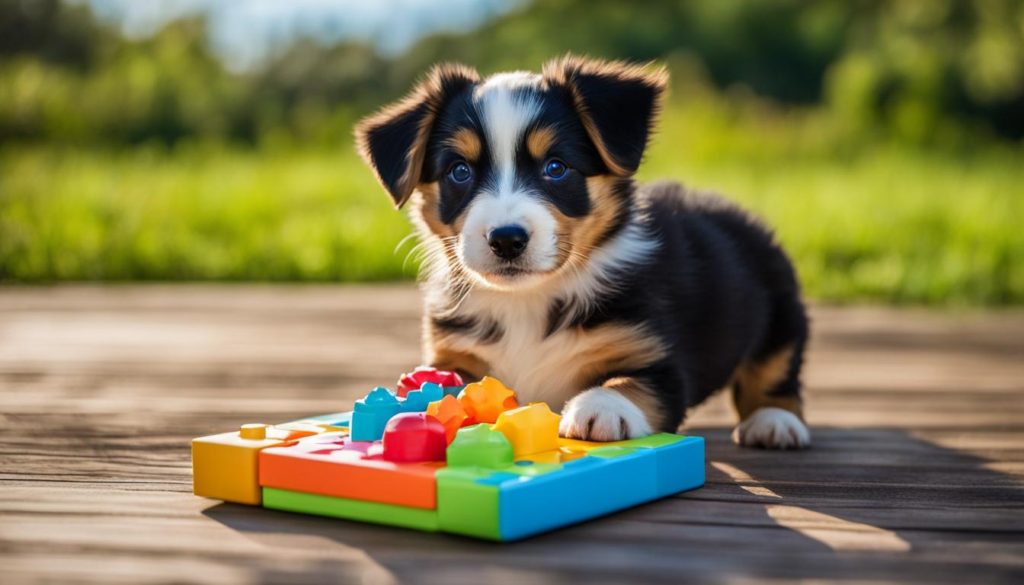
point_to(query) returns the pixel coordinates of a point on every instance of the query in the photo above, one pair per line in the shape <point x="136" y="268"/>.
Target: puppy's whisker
<point x="403" y="241"/>
<point x="421" y="252"/>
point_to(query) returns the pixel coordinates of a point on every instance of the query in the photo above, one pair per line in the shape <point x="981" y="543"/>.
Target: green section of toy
<point x="466" y="506"/>
<point x="479" y="446"/>
<point x="361" y="510"/>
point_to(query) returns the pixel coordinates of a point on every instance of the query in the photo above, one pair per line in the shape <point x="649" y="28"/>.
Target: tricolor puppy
<point x="549" y="268"/>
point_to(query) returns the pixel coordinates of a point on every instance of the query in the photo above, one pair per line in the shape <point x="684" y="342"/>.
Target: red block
<point x="423" y="374"/>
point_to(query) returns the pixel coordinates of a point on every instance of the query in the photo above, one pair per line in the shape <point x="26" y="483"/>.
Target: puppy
<point x="550" y="268"/>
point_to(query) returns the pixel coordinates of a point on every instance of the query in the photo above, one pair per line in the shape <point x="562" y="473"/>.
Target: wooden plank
<point x="916" y="474"/>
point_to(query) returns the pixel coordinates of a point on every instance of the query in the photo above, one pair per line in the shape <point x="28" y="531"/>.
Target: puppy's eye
<point x="460" y="173"/>
<point x="555" y="169"/>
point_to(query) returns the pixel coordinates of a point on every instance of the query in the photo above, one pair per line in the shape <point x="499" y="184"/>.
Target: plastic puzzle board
<point x="467" y="461"/>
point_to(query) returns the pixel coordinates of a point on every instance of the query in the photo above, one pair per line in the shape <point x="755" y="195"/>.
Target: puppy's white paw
<point x="772" y="428"/>
<point x="600" y="414"/>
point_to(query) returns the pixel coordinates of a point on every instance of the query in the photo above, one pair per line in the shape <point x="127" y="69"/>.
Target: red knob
<point x="423" y="374"/>
<point x="414" y="436"/>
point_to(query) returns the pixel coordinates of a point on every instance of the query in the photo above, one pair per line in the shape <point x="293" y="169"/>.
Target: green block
<point x="465" y="506"/>
<point x="611" y="452"/>
<point x="651" y="441"/>
<point x="363" y="511"/>
<point x="479" y="446"/>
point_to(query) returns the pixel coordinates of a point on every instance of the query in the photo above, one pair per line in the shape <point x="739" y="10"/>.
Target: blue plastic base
<point x="594" y="486"/>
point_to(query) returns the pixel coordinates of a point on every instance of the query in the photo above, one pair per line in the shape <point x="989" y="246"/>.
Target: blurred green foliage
<point x="922" y="71"/>
<point x="883" y="140"/>
<point x="197" y="213"/>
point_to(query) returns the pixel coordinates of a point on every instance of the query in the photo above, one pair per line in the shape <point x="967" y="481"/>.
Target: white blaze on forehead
<point x="506" y="110"/>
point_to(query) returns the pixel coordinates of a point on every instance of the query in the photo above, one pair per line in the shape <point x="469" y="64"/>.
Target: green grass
<point x="864" y="222"/>
<point x="890" y="226"/>
<point x="195" y="214"/>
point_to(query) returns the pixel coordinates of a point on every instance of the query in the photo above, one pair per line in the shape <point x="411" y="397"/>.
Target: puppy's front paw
<point x="772" y="428"/>
<point x="600" y="414"/>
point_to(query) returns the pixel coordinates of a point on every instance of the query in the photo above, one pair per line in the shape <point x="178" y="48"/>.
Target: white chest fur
<point x="552" y="368"/>
<point x="537" y="366"/>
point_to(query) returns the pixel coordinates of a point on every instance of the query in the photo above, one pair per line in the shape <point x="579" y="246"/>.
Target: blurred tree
<point x="317" y="91"/>
<point x="53" y="31"/>
<point x="779" y="48"/>
<point x="924" y="67"/>
<point x="922" y="71"/>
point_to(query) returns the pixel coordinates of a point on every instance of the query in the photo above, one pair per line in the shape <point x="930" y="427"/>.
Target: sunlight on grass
<point x="192" y="215"/>
<point x="880" y="223"/>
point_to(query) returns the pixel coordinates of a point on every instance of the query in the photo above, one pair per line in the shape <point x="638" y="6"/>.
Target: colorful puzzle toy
<point x="437" y="455"/>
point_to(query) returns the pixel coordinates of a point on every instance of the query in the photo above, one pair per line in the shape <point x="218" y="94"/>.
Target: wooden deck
<point x="916" y="474"/>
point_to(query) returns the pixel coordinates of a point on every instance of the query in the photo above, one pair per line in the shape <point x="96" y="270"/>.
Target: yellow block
<point x="226" y="466"/>
<point x="555" y="456"/>
<point x="530" y="429"/>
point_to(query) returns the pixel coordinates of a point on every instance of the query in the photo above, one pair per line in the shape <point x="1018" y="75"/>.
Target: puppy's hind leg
<point x="766" y="392"/>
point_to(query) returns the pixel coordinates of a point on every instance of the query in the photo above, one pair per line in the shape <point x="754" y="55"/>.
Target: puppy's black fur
<point x="719" y="292"/>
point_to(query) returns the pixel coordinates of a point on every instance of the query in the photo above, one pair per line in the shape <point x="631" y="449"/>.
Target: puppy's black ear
<point x="393" y="141"/>
<point x="617" y="103"/>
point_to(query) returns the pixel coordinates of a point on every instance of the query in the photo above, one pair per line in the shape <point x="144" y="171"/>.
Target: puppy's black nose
<point x="508" y="241"/>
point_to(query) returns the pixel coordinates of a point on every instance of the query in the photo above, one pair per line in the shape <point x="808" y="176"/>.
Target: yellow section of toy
<point x="225" y="466"/>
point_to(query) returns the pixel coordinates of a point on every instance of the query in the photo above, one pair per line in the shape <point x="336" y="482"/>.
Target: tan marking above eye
<point x="467" y="143"/>
<point x="539" y="141"/>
